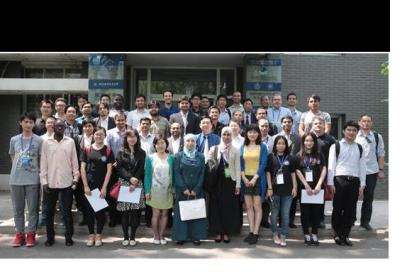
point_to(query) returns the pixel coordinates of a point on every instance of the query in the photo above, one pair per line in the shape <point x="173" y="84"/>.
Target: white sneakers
<point x="156" y="242"/>
<point x="91" y="240"/>
<point x="133" y="243"/>
<point x="163" y="242"/>
<point x="98" y="240"/>
<point x="125" y="242"/>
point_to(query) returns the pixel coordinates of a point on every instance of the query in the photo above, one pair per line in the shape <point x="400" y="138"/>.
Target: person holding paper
<point x="189" y="171"/>
<point x="159" y="187"/>
<point x="130" y="167"/>
<point x="253" y="156"/>
<point x="224" y="214"/>
<point x="96" y="167"/>
<point x="282" y="186"/>
<point x="311" y="172"/>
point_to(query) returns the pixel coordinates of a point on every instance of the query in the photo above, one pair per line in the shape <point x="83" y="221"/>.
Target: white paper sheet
<point x="312" y="199"/>
<point x="127" y="196"/>
<point x="95" y="201"/>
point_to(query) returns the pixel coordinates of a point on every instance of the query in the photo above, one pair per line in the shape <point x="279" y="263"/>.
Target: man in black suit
<point x="104" y="119"/>
<point x="188" y="120"/>
<point x="249" y="116"/>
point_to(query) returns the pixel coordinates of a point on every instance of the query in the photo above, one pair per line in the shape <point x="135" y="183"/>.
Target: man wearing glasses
<point x="373" y="151"/>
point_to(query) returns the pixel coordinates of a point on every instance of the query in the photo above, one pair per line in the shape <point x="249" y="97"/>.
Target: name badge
<point x="309" y="175"/>
<point x="227" y="172"/>
<point x="279" y="179"/>
<point x="25" y="161"/>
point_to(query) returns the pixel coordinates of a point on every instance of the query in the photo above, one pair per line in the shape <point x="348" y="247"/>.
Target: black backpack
<point x="338" y="149"/>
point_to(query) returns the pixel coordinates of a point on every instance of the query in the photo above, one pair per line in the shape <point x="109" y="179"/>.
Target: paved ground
<point x="372" y="244"/>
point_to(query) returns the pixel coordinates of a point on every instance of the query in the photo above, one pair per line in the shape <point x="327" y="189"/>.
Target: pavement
<point x="366" y="244"/>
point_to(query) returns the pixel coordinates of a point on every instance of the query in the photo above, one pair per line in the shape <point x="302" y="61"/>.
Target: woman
<point x="189" y="170"/>
<point x="254" y="155"/>
<point x="96" y="167"/>
<point x="282" y="186"/>
<point x="130" y="166"/>
<point x="311" y="172"/>
<point x="159" y="187"/>
<point x="224" y="218"/>
<point x="237" y="139"/>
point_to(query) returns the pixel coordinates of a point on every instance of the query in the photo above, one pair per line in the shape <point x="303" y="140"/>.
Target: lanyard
<point x="22" y="145"/>
<point x="281" y="161"/>
<point x="307" y="163"/>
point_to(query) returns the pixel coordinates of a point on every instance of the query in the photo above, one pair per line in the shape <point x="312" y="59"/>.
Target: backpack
<point x="376" y="137"/>
<point x="338" y="149"/>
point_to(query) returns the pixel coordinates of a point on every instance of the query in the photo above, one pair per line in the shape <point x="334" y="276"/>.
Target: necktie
<point x="248" y="122"/>
<point x="206" y="148"/>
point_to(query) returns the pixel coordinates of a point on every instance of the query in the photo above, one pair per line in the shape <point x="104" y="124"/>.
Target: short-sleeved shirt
<point x="27" y="172"/>
<point x="312" y="163"/>
<point x="307" y="118"/>
<point x="289" y="166"/>
<point x="97" y="162"/>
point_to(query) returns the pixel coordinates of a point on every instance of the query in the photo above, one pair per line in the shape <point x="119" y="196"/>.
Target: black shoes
<point x="180" y="243"/>
<point x="69" y="242"/>
<point x="248" y="238"/>
<point x="339" y="241"/>
<point x="292" y="225"/>
<point x="49" y="243"/>
<point x="254" y="239"/>
<point x="347" y="241"/>
<point x="367" y="226"/>
<point x="196" y="242"/>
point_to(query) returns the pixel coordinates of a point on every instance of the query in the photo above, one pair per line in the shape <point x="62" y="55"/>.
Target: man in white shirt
<point x="147" y="138"/>
<point x="373" y="152"/>
<point x="236" y="102"/>
<point x="134" y="117"/>
<point x="347" y="179"/>
<point x="176" y="143"/>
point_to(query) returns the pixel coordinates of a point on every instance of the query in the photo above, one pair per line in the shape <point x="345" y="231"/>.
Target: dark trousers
<point x="148" y="215"/>
<point x="344" y="204"/>
<point x="265" y="212"/>
<point x="295" y="200"/>
<point x="66" y="198"/>
<point x="91" y="216"/>
<point x="130" y="218"/>
<point x="310" y="216"/>
<point x="368" y="195"/>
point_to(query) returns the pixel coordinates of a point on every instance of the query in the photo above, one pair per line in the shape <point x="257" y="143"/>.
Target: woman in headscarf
<point x="224" y="214"/>
<point x="189" y="170"/>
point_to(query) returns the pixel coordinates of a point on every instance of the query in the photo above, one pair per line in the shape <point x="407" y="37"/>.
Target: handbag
<point x="192" y="209"/>
<point x="115" y="191"/>
<point x="328" y="193"/>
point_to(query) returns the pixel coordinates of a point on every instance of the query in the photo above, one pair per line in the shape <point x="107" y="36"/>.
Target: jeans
<point x="282" y="204"/>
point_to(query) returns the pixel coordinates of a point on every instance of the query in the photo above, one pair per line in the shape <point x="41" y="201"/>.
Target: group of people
<point x="263" y="160"/>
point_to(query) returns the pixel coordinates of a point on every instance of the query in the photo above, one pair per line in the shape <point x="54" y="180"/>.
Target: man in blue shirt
<point x="277" y="112"/>
<point x="291" y="99"/>
<point x="206" y="139"/>
<point x="168" y="109"/>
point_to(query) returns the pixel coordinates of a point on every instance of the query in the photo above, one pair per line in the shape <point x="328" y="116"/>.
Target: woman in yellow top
<point x="254" y="155"/>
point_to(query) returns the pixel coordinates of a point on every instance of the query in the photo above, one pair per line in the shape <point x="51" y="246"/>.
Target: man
<point x="325" y="141"/>
<point x="24" y="152"/>
<point x="60" y="105"/>
<point x="189" y="121"/>
<point x="261" y="113"/>
<point x="134" y="117"/>
<point x="265" y="104"/>
<point x="159" y="125"/>
<point x="248" y="116"/>
<point x="196" y="103"/>
<point x="236" y="102"/>
<point x="115" y="136"/>
<point x="59" y="175"/>
<point x="314" y="110"/>
<point x="86" y="114"/>
<point x="176" y="143"/>
<point x="72" y="129"/>
<point x="206" y="139"/>
<point x="168" y="109"/>
<point x="104" y="120"/>
<point x="217" y="126"/>
<point x="347" y="179"/>
<point x="82" y="141"/>
<point x="205" y="104"/>
<point x="373" y="152"/>
<point x="106" y="99"/>
<point x="294" y="143"/>
<point x="224" y="113"/>
<point x="82" y="99"/>
<point x="268" y="140"/>
<point x="277" y="112"/>
<point x="291" y="99"/>
<point x="46" y="110"/>
<point x="117" y="106"/>
<point x="49" y="128"/>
